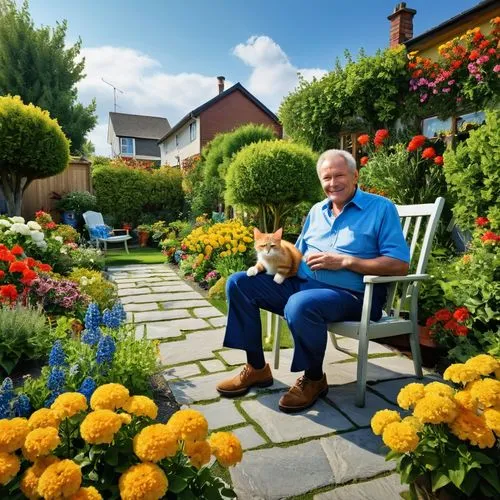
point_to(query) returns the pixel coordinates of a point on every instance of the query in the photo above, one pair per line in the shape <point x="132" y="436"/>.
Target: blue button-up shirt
<point x="367" y="227"/>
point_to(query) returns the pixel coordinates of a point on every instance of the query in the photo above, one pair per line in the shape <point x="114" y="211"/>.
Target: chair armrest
<point x="122" y="230"/>
<point x="391" y="279"/>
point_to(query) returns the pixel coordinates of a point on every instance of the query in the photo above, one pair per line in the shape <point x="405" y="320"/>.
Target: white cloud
<point x="273" y="75"/>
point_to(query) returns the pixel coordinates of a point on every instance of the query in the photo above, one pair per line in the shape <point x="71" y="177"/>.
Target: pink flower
<point x="424" y="98"/>
<point x="446" y="90"/>
<point x="451" y="82"/>
<point x="434" y="91"/>
<point x="472" y="68"/>
<point x="496" y="69"/>
<point x="483" y="59"/>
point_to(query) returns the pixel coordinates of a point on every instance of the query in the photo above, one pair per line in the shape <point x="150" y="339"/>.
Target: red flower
<point x="461" y="314"/>
<point x="438" y="160"/>
<point x="478" y="36"/>
<point x="474" y="54"/>
<point x="490" y="237"/>
<point x="17" y="250"/>
<point x="484" y="44"/>
<point x="8" y="292"/>
<point x="429" y="153"/>
<point x="443" y="315"/>
<point x="28" y="277"/>
<point x="363" y="139"/>
<point x="417" y="142"/>
<point x="456" y="64"/>
<point x="2" y="275"/>
<point x="451" y="325"/>
<point x="39" y="213"/>
<point x="6" y="256"/>
<point x="380" y="136"/>
<point x="461" y="330"/>
<point x="43" y="267"/>
<point x="364" y="160"/>
<point x="482" y="221"/>
<point x="430" y="321"/>
<point x="50" y="225"/>
<point x="17" y="267"/>
<point x="29" y="261"/>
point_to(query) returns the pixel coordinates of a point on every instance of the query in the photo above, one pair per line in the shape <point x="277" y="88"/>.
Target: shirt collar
<point x="358" y="199"/>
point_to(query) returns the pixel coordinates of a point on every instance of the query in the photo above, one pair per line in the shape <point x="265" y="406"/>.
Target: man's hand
<point x="327" y="260"/>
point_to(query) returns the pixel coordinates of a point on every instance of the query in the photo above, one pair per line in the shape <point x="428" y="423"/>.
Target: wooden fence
<point x="76" y="177"/>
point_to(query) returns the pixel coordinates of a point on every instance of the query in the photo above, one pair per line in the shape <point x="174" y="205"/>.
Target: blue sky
<point x="166" y="54"/>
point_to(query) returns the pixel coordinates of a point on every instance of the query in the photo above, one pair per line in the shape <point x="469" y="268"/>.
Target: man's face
<point x="338" y="180"/>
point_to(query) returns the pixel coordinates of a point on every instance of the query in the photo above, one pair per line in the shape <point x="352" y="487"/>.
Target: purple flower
<point x="472" y="68"/>
<point x="88" y="387"/>
<point x="105" y="350"/>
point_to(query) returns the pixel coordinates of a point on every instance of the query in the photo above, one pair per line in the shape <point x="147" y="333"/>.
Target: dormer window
<point x="127" y="146"/>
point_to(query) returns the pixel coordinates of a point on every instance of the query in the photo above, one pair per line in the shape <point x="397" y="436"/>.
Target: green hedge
<point x="127" y="193"/>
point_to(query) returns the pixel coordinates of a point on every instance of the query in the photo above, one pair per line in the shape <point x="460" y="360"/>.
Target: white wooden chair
<point x="395" y="323"/>
<point x="93" y="219"/>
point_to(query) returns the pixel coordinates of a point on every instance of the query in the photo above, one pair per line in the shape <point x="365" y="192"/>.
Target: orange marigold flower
<point x="429" y="153"/>
<point x="363" y="139"/>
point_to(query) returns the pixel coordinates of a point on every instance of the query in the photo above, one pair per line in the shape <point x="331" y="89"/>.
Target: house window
<point x="192" y="131"/>
<point x="433" y="126"/>
<point x="127" y="146"/>
<point x="176" y="140"/>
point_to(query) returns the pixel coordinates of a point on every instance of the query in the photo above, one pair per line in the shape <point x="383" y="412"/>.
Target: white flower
<point x="64" y="250"/>
<point x="34" y="226"/>
<point x="41" y="244"/>
<point x="58" y="238"/>
<point x="5" y="223"/>
<point x="37" y="236"/>
<point x="18" y="219"/>
<point x="20" y="228"/>
<point x="84" y="281"/>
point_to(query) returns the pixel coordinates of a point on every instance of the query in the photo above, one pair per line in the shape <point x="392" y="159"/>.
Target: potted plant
<point x="143" y="231"/>
<point x="72" y="205"/>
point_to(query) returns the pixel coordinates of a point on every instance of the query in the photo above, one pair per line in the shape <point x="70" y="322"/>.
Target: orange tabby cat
<point x="274" y="255"/>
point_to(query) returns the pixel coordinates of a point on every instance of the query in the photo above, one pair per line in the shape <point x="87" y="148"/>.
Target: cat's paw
<point x="252" y="271"/>
<point x="278" y="278"/>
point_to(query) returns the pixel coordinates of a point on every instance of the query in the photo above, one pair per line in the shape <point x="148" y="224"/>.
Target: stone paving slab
<point x="355" y="455"/>
<point x="213" y="365"/>
<point x="343" y="396"/>
<point x="219" y="321"/>
<point x="220" y="414"/>
<point x="248" y="437"/>
<point x="181" y="304"/>
<point x="319" y="420"/>
<point x="123" y="292"/>
<point x="233" y="356"/>
<point x="182" y="371"/>
<point x="174" y="287"/>
<point x="172" y="328"/>
<point x="384" y="488"/>
<point x="160" y="297"/>
<point x="152" y="306"/>
<point x="276" y="473"/>
<point x="142" y="317"/>
<point x="207" y="312"/>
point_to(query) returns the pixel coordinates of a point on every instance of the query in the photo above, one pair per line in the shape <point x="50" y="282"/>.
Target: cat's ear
<point x="278" y="234"/>
<point x="256" y="234"/>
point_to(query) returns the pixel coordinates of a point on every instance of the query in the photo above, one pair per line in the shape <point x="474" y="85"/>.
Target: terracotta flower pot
<point x="143" y="238"/>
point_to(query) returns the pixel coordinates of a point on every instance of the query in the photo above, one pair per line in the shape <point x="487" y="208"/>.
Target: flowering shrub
<point x="450" y="442"/>
<point x="93" y="284"/>
<point x="467" y="72"/>
<point x="445" y="324"/>
<point x="88" y="257"/>
<point x="12" y="404"/>
<point x="114" y="448"/>
<point x="16" y="231"/>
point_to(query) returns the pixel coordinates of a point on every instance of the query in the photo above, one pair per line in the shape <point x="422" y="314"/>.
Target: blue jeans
<point x="307" y="305"/>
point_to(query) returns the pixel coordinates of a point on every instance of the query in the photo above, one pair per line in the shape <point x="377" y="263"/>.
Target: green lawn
<point x="118" y="256"/>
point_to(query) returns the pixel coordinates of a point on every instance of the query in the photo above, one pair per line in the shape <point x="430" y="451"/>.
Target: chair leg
<point x="126" y="246"/>
<point x="105" y="246"/>
<point x="333" y="338"/>
<point x="276" y="344"/>
<point x="362" y="370"/>
<point x="416" y="354"/>
<point x="269" y="323"/>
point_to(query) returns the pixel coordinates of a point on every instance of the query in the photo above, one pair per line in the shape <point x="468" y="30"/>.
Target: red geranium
<point x="17" y="250"/>
<point x="28" y="277"/>
<point x="490" y="237"/>
<point x="417" y="142"/>
<point x="451" y="325"/>
<point x="8" y="292"/>
<point x="461" y="330"/>
<point x="482" y="221"/>
<point x="7" y="256"/>
<point x="364" y="160"/>
<point x="430" y="321"/>
<point x="364" y="139"/>
<point x="443" y="315"/>
<point x="43" y="267"/>
<point x="50" y="225"/>
<point x="2" y="275"/>
<point x="428" y="153"/>
<point x="438" y="160"/>
<point x="29" y="261"/>
<point x="380" y="136"/>
<point x="461" y="314"/>
<point x="17" y="267"/>
<point x="474" y="54"/>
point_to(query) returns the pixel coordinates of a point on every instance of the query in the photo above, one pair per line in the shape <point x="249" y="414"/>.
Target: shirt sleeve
<point x="300" y="244"/>
<point x="391" y="240"/>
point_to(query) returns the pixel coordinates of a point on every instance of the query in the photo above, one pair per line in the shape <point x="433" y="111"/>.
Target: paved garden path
<point x="328" y="452"/>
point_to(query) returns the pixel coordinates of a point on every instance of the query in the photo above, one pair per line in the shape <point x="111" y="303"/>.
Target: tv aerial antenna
<point x="115" y="88"/>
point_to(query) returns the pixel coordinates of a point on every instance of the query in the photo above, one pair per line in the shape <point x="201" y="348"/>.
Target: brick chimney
<point x="401" y="24"/>
<point x="220" y="83"/>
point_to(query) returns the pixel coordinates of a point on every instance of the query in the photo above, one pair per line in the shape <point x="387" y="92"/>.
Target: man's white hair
<point x="331" y="153"/>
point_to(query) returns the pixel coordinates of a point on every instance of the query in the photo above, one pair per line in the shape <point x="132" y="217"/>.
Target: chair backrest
<point x="412" y="217"/>
<point x="93" y="219"/>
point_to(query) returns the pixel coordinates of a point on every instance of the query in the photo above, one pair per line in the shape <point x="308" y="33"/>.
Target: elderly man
<point x="349" y="234"/>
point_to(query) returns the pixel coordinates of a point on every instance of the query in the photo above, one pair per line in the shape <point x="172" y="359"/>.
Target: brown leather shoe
<point x="249" y="377"/>
<point x="303" y="394"/>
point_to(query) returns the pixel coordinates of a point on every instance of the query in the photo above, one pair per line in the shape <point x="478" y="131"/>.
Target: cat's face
<point x="268" y="243"/>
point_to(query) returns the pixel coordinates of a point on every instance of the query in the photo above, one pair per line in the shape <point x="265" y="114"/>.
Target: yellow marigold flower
<point x="143" y="482"/>
<point x="109" y="397"/>
<point x="188" y="425"/>
<point x="89" y="493"/>
<point x="440" y="389"/>
<point x="44" y="417"/>
<point x="410" y="394"/>
<point x="60" y="480"/>
<point x="29" y="481"/>
<point x="465" y="400"/>
<point x="141" y="406"/>
<point x="486" y="391"/>
<point x="100" y="426"/>
<point x="198" y="452"/>
<point x="414" y="422"/>
<point x="382" y="419"/>
<point x="154" y="443"/>
<point x="400" y="437"/>
<point x="9" y="467"/>
<point x="126" y="418"/>
<point x="459" y="373"/>
<point x="69" y="404"/>
<point x="484" y="364"/>
<point x="13" y="432"/>
<point x="492" y="418"/>
<point x="40" y="442"/>
<point x="470" y="427"/>
<point x="226" y="447"/>
<point x="435" y="409"/>
<point x="242" y="248"/>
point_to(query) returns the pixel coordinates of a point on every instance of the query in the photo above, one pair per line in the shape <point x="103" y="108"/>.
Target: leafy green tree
<point x="273" y="177"/>
<point x="32" y="146"/>
<point x="365" y="94"/>
<point x="36" y="65"/>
